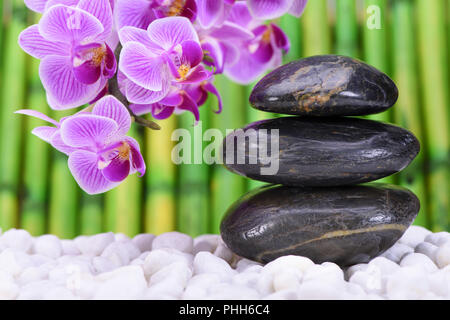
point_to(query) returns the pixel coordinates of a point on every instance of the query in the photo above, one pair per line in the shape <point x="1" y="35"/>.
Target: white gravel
<point x="175" y="266"/>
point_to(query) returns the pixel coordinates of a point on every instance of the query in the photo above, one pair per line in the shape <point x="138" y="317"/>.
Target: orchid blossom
<point x="100" y="154"/>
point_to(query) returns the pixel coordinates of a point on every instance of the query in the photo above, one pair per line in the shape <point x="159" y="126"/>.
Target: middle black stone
<point x="322" y="151"/>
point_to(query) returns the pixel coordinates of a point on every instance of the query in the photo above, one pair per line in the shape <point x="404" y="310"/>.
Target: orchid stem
<point x="113" y="88"/>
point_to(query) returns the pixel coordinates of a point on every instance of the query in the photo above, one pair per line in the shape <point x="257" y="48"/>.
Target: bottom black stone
<point x="344" y="225"/>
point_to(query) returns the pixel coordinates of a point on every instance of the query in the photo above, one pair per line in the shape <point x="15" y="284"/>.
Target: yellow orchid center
<point x="176" y="8"/>
<point x="183" y="70"/>
<point x="267" y="35"/>
<point x="98" y="55"/>
<point x="124" y="151"/>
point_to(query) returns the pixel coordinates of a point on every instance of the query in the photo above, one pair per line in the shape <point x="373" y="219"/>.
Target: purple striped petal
<point x="246" y="70"/>
<point x="199" y="74"/>
<point x="136" y="13"/>
<point x="232" y="31"/>
<point x="84" y="167"/>
<point x="36" y="5"/>
<point x="264" y="52"/>
<point x="190" y="105"/>
<point x="169" y="32"/>
<point x="141" y="67"/>
<point x="213" y="51"/>
<point x="174" y="99"/>
<point x="137" y="160"/>
<point x="109" y="63"/>
<point x="138" y="95"/>
<point x="57" y="143"/>
<point x="140" y="109"/>
<point x="209" y="12"/>
<point x="112" y="108"/>
<point x="44" y="133"/>
<point x="87" y="73"/>
<point x="51" y="3"/>
<point x="281" y="39"/>
<point x="240" y="15"/>
<point x="161" y="112"/>
<point x="101" y="9"/>
<point x="63" y="89"/>
<point x="192" y="53"/>
<point x="31" y="41"/>
<point x="69" y="24"/>
<point x="88" y="130"/>
<point x="298" y="7"/>
<point x="37" y="114"/>
<point x="269" y="9"/>
<point x="118" y="169"/>
<point x="129" y="34"/>
<point x="209" y="87"/>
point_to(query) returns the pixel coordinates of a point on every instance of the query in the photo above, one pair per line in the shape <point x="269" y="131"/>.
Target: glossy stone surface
<point x="320" y="151"/>
<point x="327" y="85"/>
<point x="344" y="225"/>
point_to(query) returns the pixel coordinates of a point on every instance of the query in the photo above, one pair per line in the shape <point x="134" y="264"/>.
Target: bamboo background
<point x="38" y="193"/>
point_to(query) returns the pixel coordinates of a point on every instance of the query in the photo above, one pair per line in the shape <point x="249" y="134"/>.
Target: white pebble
<point x="224" y="253"/>
<point x="385" y="265"/>
<point x="32" y="274"/>
<point x="226" y="291"/>
<point x="397" y="252"/>
<point x="94" y="245"/>
<point x="102" y="264"/>
<point x="418" y="260"/>
<point x="443" y="255"/>
<point x="119" y="237"/>
<point x="413" y="236"/>
<point x="178" y="271"/>
<point x="427" y="249"/>
<point x="8" y="289"/>
<point x="206" y="242"/>
<point x="438" y="238"/>
<point x="173" y="240"/>
<point x="282" y="295"/>
<point x="167" y="287"/>
<point x="123" y="283"/>
<point x="327" y="271"/>
<point x="319" y="290"/>
<point x="121" y="253"/>
<point x="407" y="283"/>
<point x="144" y="241"/>
<point x="48" y="245"/>
<point x="290" y="278"/>
<point x="205" y="262"/>
<point x="297" y="262"/>
<point x="69" y="248"/>
<point x="158" y="259"/>
<point x="17" y="239"/>
<point x="14" y="262"/>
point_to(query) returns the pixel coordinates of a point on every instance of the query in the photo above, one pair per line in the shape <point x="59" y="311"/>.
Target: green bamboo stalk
<point x="34" y="202"/>
<point x="159" y="215"/>
<point x="346" y="28"/>
<point x="434" y="72"/>
<point x="91" y="214"/>
<point x="12" y="98"/>
<point x="227" y="187"/>
<point x="375" y="42"/>
<point x="407" y="111"/>
<point x="193" y="179"/>
<point x="64" y="193"/>
<point x="316" y="31"/>
<point x="123" y="204"/>
<point x="292" y="27"/>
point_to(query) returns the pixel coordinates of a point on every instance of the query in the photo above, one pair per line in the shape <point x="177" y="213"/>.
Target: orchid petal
<point x="192" y="53"/>
<point x="211" y="88"/>
<point x="213" y="50"/>
<point x="246" y="70"/>
<point x="51" y="3"/>
<point x="129" y="34"/>
<point x="112" y="108"/>
<point x="264" y="52"/>
<point x="87" y="73"/>
<point x="117" y="170"/>
<point x="231" y="31"/>
<point x="240" y="15"/>
<point x="191" y="106"/>
<point x="281" y="39"/>
<point x="31" y="41"/>
<point x="84" y="167"/>
<point x="298" y="7"/>
<point x="172" y="100"/>
<point x="63" y="89"/>
<point x="68" y="24"/>
<point x="88" y="130"/>
<point x="101" y="9"/>
<point x="137" y="160"/>
<point x="269" y="9"/>
<point x="140" y="109"/>
<point x="57" y="143"/>
<point x="134" y="13"/>
<point x="37" y="114"/>
<point x="110" y="63"/>
<point x="199" y="74"/>
<point x="36" y="5"/>
<point x="171" y="31"/>
<point x="141" y="67"/>
<point x="209" y="12"/>
<point x="161" y="112"/>
<point x="44" y="133"/>
<point x="139" y="95"/>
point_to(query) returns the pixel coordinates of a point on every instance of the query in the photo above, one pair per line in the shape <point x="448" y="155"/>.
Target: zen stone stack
<point x="315" y="206"/>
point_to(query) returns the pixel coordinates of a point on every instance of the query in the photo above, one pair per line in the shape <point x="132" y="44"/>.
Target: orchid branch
<point x="113" y="88"/>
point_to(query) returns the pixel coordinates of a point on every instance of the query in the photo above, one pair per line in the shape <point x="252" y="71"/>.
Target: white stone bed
<point x="175" y="266"/>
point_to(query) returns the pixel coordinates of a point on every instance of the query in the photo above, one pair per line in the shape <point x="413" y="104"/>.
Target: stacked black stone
<point x="313" y="206"/>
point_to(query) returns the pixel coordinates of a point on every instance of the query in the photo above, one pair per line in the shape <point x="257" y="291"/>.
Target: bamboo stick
<point x="159" y="216"/>
<point x="193" y="179"/>
<point x="64" y="193"/>
<point x="316" y="31"/>
<point x="346" y="28"/>
<point x="37" y="154"/>
<point x="227" y="187"/>
<point x="123" y="204"/>
<point x="407" y="111"/>
<point x="430" y="21"/>
<point x="91" y="214"/>
<point x="12" y="98"/>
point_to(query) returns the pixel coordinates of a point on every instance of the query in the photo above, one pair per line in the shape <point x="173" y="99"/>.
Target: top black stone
<point x="326" y="85"/>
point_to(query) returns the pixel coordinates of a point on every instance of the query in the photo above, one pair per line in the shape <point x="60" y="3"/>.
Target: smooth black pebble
<point x="321" y="152"/>
<point x="327" y="86"/>
<point x="344" y="225"/>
